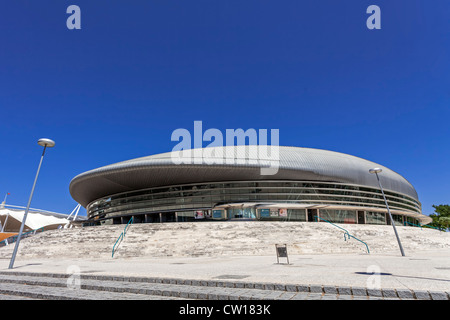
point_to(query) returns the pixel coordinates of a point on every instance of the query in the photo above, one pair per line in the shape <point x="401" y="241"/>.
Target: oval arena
<point x="310" y="185"/>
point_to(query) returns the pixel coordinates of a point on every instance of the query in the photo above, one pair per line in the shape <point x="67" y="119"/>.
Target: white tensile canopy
<point x="11" y="220"/>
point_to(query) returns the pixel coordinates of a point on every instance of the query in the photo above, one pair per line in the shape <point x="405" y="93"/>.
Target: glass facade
<point x="241" y="213"/>
<point x="338" y="216"/>
<point x="376" y="217"/>
<point x="193" y="202"/>
<point x="398" y="219"/>
<point x="281" y="214"/>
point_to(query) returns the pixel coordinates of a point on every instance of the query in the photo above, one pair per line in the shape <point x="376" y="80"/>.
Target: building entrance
<point x="241" y="213"/>
<point x="361" y="218"/>
<point x="168" y="217"/>
<point x="312" y="213"/>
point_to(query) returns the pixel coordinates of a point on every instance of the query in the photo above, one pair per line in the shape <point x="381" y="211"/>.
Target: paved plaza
<point x="419" y="276"/>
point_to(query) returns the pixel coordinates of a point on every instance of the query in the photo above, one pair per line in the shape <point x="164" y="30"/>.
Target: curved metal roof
<point x="294" y="164"/>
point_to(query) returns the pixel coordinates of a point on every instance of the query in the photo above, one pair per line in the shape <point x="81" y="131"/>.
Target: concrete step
<point x="55" y="286"/>
<point x="98" y="287"/>
<point x="16" y="291"/>
<point x="15" y="297"/>
<point x="49" y="287"/>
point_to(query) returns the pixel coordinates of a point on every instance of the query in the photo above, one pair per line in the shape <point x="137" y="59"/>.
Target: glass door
<point x="242" y="213"/>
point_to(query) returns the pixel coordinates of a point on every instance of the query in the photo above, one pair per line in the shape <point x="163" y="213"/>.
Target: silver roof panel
<point x="294" y="164"/>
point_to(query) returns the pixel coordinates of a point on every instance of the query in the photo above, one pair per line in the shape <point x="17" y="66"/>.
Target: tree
<point x="445" y="221"/>
<point x="441" y="217"/>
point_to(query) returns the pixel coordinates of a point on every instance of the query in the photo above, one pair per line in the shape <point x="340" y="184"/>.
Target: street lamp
<point x="4" y="200"/>
<point x="376" y="171"/>
<point x="44" y="143"/>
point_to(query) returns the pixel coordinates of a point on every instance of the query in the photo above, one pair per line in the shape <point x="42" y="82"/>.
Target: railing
<point x="417" y="225"/>
<point x="122" y="236"/>
<point x="346" y="233"/>
<point x="13" y="239"/>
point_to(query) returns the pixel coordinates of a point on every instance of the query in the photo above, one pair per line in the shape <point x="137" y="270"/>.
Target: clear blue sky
<point x="137" y="70"/>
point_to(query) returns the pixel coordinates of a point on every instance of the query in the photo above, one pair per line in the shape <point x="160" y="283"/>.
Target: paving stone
<point x="330" y="290"/>
<point x="14" y="297"/>
<point x="260" y="296"/>
<point x="291" y="288"/>
<point x="286" y="295"/>
<point x="314" y="296"/>
<point x="389" y="293"/>
<point x="374" y="293"/>
<point x="436" y="295"/>
<point x="345" y="291"/>
<point x="280" y="287"/>
<point x="273" y="295"/>
<point x="259" y="286"/>
<point x="359" y="291"/>
<point x="192" y="295"/>
<point x="269" y="286"/>
<point x="201" y="296"/>
<point x="360" y="298"/>
<point x="345" y="297"/>
<point x="329" y="297"/>
<point x="300" y="296"/>
<point x="213" y="296"/>
<point x="302" y="288"/>
<point x="315" y="289"/>
<point x="422" y="295"/>
<point x="405" y="294"/>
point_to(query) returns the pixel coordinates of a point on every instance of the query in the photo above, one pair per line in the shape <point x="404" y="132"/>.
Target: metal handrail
<point x="122" y="236"/>
<point x="417" y="225"/>
<point x="345" y="233"/>
<point x="114" y="247"/>
<point x="127" y="226"/>
<point x="13" y="239"/>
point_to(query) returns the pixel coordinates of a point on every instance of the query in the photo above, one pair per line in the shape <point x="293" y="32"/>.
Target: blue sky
<point x="137" y="70"/>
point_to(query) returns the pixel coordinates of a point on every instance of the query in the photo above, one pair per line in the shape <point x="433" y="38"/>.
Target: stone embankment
<point x="223" y="239"/>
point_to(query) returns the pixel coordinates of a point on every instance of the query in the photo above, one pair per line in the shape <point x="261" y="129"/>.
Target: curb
<point x="404" y="294"/>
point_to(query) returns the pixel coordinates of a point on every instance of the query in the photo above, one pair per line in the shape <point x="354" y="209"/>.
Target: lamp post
<point x="4" y="200"/>
<point x="44" y="143"/>
<point x="376" y="171"/>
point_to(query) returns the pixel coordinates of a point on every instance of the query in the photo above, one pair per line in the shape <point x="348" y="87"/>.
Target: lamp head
<point x="46" y="142"/>
<point x="375" y="170"/>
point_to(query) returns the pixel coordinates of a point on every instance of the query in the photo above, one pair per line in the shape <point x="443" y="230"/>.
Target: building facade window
<point x="338" y="216"/>
<point x="185" y="202"/>
<point x="375" y="217"/>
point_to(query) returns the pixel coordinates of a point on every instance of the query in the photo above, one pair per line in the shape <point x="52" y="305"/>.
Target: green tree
<point x="445" y="221"/>
<point x="441" y="217"/>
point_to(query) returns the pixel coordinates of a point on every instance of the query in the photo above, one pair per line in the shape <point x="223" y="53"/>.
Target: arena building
<point x="309" y="185"/>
